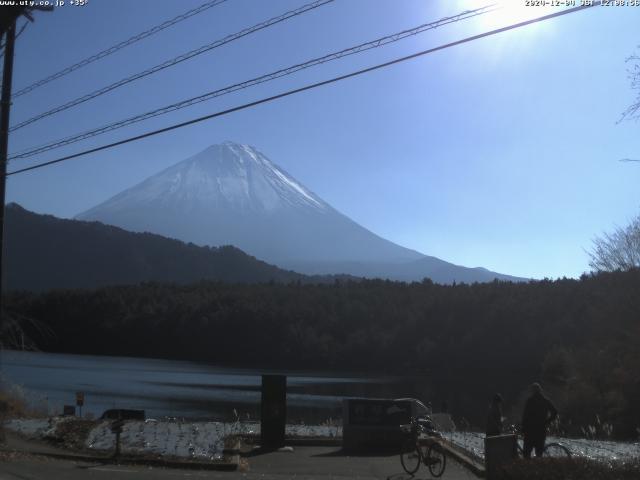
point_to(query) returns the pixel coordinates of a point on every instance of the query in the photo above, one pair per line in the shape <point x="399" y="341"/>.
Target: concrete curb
<point x="470" y="464"/>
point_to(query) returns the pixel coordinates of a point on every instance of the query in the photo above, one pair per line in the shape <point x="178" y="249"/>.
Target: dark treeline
<point x="91" y="255"/>
<point x="580" y="338"/>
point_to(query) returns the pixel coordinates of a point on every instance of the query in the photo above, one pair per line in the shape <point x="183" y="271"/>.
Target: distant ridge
<point x="233" y="194"/>
<point x="43" y="252"/>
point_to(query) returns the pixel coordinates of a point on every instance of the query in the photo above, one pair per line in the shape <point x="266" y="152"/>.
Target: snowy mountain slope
<point x="233" y="194"/>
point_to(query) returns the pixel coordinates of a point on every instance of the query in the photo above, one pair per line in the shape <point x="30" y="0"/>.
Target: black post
<point x="117" y="452"/>
<point x="5" y="107"/>
<point x="273" y="411"/>
<point x="116" y="427"/>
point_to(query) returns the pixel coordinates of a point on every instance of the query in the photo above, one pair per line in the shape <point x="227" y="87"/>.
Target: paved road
<point x="321" y="463"/>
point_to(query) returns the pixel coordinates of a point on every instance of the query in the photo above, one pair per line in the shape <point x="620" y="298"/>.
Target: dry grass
<point x="10" y="406"/>
<point x="72" y="433"/>
<point x="14" y="404"/>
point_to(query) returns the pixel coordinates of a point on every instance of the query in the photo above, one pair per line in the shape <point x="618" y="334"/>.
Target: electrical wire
<point x="252" y="82"/>
<point x="306" y="87"/>
<point x="118" y="46"/>
<point x="174" y="61"/>
<point x="16" y="38"/>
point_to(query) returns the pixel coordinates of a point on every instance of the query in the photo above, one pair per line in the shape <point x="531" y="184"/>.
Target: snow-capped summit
<point x="232" y="194"/>
<point x="227" y="176"/>
<point x="243" y="177"/>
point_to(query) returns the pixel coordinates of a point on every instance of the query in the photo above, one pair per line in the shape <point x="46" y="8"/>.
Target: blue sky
<point x="500" y="153"/>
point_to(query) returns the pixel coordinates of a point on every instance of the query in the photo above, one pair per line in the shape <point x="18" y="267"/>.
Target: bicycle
<point x="553" y="449"/>
<point x="422" y="446"/>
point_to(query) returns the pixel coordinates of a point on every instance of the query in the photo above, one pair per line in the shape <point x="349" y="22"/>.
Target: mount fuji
<point x="231" y="194"/>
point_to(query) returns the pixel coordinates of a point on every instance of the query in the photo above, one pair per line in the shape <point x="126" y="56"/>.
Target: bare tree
<point x="619" y="250"/>
<point x="634" y="77"/>
<point x="13" y="335"/>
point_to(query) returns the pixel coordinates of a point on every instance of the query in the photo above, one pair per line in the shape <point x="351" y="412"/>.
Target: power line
<point x="17" y="36"/>
<point x="119" y="46"/>
<point x="306" y="87"/>
<point x="252" y="82"/>
<point x="24" y="25"/>
<point x="169" y="63"/>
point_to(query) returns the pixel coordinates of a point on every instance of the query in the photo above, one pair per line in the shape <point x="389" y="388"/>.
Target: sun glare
<point x="507" y="12"/>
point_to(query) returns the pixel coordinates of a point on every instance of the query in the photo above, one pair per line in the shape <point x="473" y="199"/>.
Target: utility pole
<point x="8" y="16"/>
<point x="5" y="107"/>
<point x="8" y="27"/>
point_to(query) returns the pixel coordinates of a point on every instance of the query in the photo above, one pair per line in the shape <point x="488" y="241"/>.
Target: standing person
<point x="538" y="413"/>
<point x="494" y="417"/>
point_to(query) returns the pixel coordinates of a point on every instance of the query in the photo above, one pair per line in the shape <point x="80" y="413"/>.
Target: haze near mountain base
<point x="233" y="194"/>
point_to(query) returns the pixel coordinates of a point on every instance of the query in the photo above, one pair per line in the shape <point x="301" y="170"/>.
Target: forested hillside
<point x="44" y="252"/>
<point x="578" y="337"/>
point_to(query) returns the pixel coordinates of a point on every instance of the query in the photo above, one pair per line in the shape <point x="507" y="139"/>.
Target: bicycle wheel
<point x="436" y="459"/>
<point x="556" y="450"/>
<point x="410" y="457"/>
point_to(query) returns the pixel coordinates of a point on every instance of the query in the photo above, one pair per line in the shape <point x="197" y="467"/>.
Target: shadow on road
<point x="342" y="453"/>
<point x="402" y="476"/>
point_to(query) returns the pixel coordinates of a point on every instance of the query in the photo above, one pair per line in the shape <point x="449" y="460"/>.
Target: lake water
<point x="169" y="388"/>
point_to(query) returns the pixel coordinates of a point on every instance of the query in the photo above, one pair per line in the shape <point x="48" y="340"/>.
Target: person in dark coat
<point x="538" y="413"/>
<point x="494" y="417"/>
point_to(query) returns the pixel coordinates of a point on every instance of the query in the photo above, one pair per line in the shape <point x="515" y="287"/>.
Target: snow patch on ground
<point x="33" y="427"/>
<point x="473" y="443"/>
<point x="205" y="440"/>
<point x="202" y="440"/>
<point x="198" y="440"/>
<point x="178" y="439"/>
